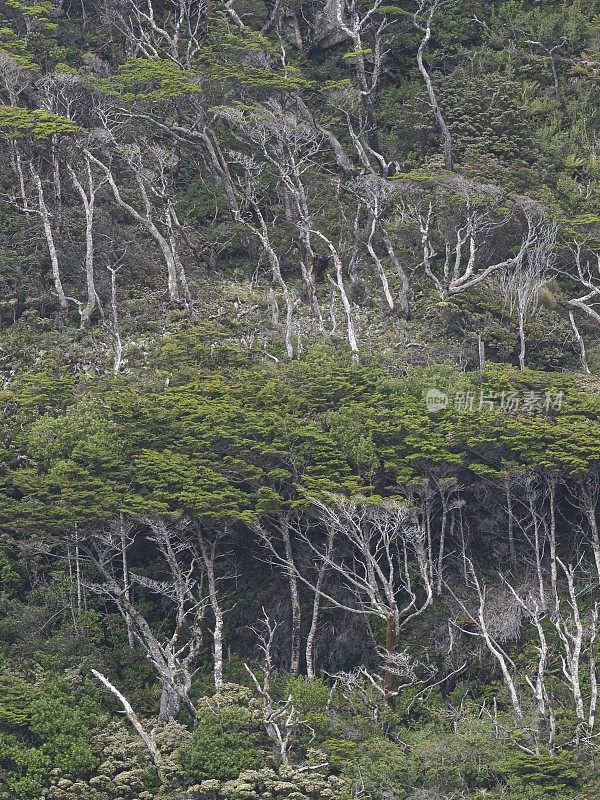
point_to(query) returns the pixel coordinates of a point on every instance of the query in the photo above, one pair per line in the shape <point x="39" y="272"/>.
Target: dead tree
<point x="578" y="635"/>
<point x="366" y="27"/>
<point x="546" y="717"/>
<point x="587" y="497"/>
<point x="172" y="29"/>
<point x="463" y="244"/>
<point x="378" y="552"/>
<point x="275" y="536"/>
<point x="586" y="276"/>
<point x="146" y="737"/>
<point x="520" y="282"/>
<point x="289" y="144"/>
<point x="87" y="189"/>
<point x="44" y="214"/>
<point x="374" y="194"/>
<point x="281" y="720"/>
<point x="249" y="213"/>
<point x="173" y="656"/>
<point x="156" y="212"/>
<point x="480" y="627"/>
<point x="423" y="20"/>
<point x="339" y="283"/>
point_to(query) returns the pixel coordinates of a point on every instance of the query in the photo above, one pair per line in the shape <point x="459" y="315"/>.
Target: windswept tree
<point x="521" y="281"/>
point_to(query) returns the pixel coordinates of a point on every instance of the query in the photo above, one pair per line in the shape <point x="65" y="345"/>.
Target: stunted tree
<point x="460" y="242"/>
<point x="585" y="274"/>
<point x="521" y="281"/>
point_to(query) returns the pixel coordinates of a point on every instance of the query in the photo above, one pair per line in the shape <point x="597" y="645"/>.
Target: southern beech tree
<point x="299" y="442"/>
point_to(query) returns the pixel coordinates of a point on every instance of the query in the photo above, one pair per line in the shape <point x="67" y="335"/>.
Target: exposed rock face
<point x="326" y="31"/>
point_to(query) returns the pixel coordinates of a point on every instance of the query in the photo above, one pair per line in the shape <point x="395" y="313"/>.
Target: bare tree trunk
<point x="63" y="305"/>
<point x="571" y="635"/>
<point x="537" y="544"/>
<point x="208" y="552"/>
<point x="78" y="573"/>
<point x="314" y="623"/>
<point x="552" y="538"/>
<point x="170" y="218"/>
<point x="148" y="224"/>
<point x="390" y="681"/>
<point x="342" y="290"/>
<point x="504" y="661"/>
<point x="126" y="584"/>
<point x="133" y="719"/>
<point x="170" y="703"/>
<point x="74" y="615"/>
<point x="442" y="545"/>
<point x="444" y="129"/>
<point x="114" y="315"/>
<point x="521" y="340"/>
<point x="295" y="600"/>
<point x="379" y="265"/>
<point x="589" y="493"/>
<point x="18" y="165"/>
<point x="581" y="343"/>
<point x="88" y="200"/>
<point x="511" y="522"/>
<point x="592" y="668"/>
<point x="404" y="288"/>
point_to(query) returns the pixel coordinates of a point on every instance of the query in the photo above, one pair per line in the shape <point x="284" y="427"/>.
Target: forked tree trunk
<point x="170" y="703"/>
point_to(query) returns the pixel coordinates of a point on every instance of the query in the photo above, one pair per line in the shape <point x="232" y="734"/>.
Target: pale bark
<point x="209" y="554"/>
<point x="146" y="220"/>
<point x="63" y="305"/>
<point x="133" y="719"/>
<point x="580" y="342"/>
<point x="88" y="199"/>
<point x="510" y="522"/>
<point x="339" y="282"/>
<point x="478" y="618"/>
<point x="114" y="316"/>
<point x="431" y="7"/>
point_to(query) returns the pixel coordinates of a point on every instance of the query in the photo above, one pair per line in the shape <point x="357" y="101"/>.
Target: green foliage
<point x="17" y="696"/>
<point x="226" y="742"/>
<point x="149" y="79"/>
<point x="51" y="733"/>
<point x="551" y="775"/>
<point x="17" y="123"/>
